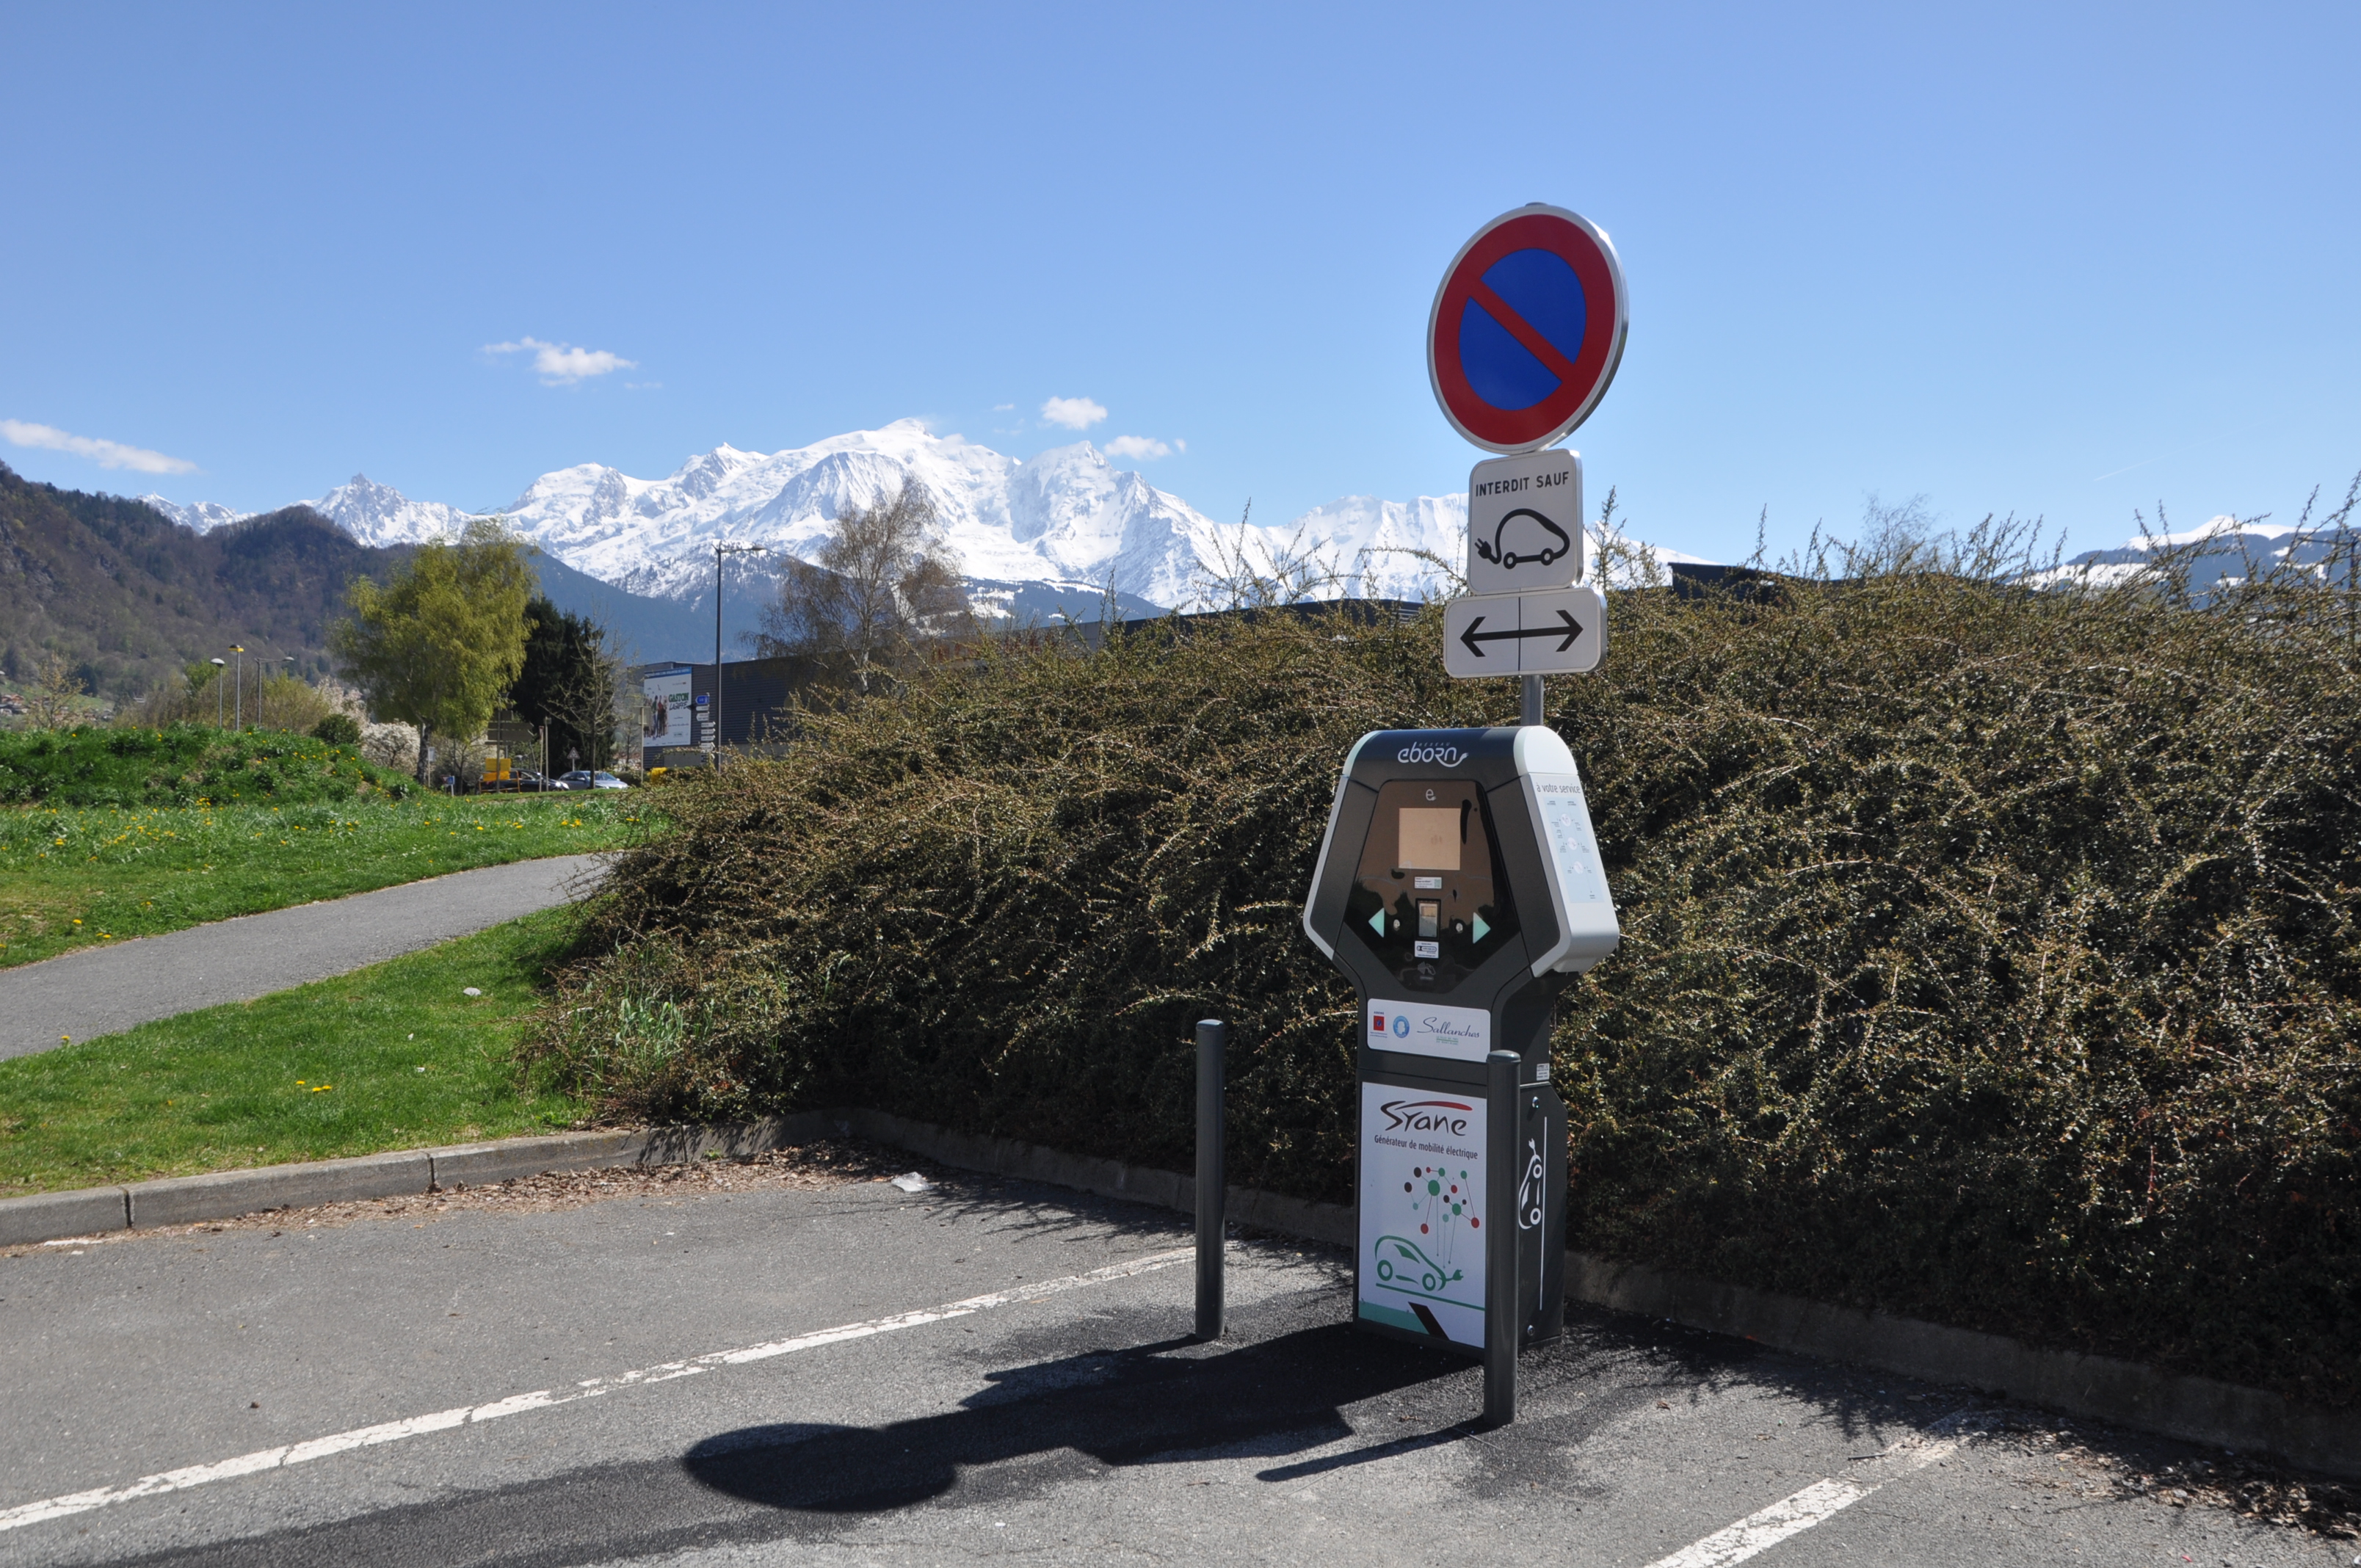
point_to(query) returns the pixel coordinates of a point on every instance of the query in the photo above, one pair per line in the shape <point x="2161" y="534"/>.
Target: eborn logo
<point x="1449" y="756"/>
<point x="1426" y="1117"/>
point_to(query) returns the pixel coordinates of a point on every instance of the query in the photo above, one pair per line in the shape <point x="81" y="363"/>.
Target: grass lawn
<point x="78" y="875"/>
<point x="395" y="1056"/>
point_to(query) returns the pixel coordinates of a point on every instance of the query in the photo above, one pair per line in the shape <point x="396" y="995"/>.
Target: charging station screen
<point x="1430" y="838"/>
<point x="1429" y="896"/>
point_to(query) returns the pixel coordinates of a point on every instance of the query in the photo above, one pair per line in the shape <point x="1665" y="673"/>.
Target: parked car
<point x="584" y="778"/>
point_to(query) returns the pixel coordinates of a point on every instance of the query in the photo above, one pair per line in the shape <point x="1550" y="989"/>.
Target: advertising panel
<point x="664" y="711"/>
<point x="1422" y="1253"/>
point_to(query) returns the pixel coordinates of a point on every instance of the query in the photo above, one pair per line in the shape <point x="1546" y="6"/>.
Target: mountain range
<point x="1061" y="529"/>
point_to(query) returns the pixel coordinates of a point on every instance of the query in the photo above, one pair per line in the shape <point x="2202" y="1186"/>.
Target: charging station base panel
<point x="1418" y="1267"/>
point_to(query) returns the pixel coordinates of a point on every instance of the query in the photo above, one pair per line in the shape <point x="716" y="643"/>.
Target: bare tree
<point x="51" y="699"/>
<point x="884" y="582"/>
<point x="1254" y="571"/>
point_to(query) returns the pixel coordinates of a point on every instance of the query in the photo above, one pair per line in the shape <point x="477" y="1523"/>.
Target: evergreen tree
<point x="568" y="682"/>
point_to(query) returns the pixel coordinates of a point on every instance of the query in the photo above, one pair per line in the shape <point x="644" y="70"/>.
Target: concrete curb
<point x="184" y="1200"/>
<point x="2194" y="1410"/>
<point x="46" y="1215"/>
<point x="228" y="1194"/>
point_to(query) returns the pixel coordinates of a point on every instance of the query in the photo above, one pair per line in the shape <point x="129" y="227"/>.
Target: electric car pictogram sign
<point x="1527" y="329"/>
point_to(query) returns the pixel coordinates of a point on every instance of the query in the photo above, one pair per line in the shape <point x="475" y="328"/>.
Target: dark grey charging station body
<point x="1460" y="885"/>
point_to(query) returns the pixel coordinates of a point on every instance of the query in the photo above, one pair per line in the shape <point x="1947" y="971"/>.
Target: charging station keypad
<point x="1566" y="830"/>
<point x="1429" y="897"/>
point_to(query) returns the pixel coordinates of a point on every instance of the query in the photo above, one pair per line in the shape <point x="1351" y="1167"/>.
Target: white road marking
<point x="1767" y="1528"/>
<point x="546" y="1398"/>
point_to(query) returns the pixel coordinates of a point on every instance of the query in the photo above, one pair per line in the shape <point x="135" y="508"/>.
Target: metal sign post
<point x="1459" y="884"/>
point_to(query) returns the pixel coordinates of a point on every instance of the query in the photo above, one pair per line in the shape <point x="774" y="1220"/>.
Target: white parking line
<point x="1767" y="1528"/>
<point x="545" y="1399"/>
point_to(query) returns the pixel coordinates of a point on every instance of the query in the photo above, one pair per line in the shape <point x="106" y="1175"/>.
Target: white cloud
<point x="105" y="454"/>
<point x="1140" y="446"/>
<point x="1074" y="413"/>
<point x="1004" y="407"/>
<point x="562" y="364"/>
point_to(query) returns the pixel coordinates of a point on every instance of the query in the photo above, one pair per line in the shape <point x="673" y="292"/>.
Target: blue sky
<point x="2059" y="261"/>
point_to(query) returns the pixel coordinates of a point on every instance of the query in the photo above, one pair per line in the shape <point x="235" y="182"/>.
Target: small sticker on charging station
<point x="1427" y="1029"/>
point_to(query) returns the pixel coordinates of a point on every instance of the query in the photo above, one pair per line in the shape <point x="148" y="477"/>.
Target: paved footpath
<point x="989" y="1371"/>
<point x="99" y="990"/>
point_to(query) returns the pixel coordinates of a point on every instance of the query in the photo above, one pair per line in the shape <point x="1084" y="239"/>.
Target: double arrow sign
<point x="1474" y="638"/>
<point x="1554" y="632"/>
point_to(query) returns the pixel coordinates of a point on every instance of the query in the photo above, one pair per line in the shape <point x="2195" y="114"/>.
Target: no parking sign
<point x="1527" y="329"/>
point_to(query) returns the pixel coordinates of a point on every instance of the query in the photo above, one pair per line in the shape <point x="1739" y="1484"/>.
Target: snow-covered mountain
<point x="203" y="516"/>
<point x="372" y="514"/>
<point x="1066" y="518"/>
<point x="2222" y="550"/>
<point x="378" y="514"/>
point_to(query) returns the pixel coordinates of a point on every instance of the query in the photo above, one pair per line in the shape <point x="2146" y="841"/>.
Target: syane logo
<point x="1426" y="1117"/>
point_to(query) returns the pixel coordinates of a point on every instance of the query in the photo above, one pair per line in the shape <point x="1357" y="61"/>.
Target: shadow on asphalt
<point x="1160" y="1402"/>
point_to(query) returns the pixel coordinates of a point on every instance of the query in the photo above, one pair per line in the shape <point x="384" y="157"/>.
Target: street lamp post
<point x="719" y="552"/>
<point x="237" y="688"/>
<point x="220" y="708"/>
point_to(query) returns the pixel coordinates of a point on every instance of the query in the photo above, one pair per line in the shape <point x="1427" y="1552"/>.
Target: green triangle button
<point x="1377" y="922"/>
<point x="1480" y="928"/>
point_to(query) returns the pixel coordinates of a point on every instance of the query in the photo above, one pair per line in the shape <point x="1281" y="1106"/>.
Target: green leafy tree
<point x="440" y="643"/>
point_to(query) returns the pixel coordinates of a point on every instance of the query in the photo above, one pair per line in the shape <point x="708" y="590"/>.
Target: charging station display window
<point x="1429" y="896"/>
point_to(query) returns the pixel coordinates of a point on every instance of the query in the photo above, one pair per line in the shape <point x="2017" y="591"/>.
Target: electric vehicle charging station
<point x="1460" y="885"/>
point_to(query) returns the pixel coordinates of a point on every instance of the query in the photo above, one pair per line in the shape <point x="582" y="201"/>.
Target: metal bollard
<point x="1213" y="1176"/>
<point x="1501" y="1091"/>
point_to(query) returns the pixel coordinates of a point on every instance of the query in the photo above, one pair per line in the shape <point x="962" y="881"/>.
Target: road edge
<point x="2130" y="1393"/>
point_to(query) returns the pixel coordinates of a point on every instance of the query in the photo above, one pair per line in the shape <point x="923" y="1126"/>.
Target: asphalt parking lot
<point x="850" y="1374"/>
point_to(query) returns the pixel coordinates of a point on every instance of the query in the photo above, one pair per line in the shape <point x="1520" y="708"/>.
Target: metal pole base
<point x="1501" y="1091"/>
<point x="1213" y="1176"/>
<point x="1533" y="700"/>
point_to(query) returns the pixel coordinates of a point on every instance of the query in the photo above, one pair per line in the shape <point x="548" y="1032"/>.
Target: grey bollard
<point x="1213" y="1176"/>
<point x="1500" y="1092"/>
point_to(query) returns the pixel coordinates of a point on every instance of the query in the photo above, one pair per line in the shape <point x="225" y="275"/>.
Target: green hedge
<point x="180" y="765"/>
<point x="1989" y="956"/>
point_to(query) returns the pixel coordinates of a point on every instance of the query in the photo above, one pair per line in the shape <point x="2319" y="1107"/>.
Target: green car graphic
<point x="1408" y="1261"/>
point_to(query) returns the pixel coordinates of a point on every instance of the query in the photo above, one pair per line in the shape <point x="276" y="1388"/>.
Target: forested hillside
<point x="127" y="596"/>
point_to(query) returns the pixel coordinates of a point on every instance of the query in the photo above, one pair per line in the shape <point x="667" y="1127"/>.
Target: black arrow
<point x="1571" y="630"/>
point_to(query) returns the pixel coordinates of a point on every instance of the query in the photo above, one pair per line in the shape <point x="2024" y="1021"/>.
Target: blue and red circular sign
<point x="1527" y="329"/>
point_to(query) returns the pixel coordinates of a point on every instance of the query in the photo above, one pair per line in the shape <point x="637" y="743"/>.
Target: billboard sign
<point x="664" y="709"/>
